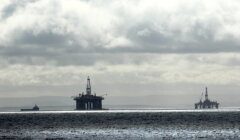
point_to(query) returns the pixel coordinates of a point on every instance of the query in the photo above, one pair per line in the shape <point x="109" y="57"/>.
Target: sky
<point x="128" y="48"/>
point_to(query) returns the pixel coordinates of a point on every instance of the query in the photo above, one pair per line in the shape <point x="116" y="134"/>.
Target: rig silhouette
<point x="206" y="103"/>
<point x="88" y="101"/>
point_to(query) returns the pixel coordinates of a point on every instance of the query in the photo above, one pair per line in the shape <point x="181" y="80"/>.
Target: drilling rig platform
<point x="88" y="101"/>
<point x="206" y="104"/>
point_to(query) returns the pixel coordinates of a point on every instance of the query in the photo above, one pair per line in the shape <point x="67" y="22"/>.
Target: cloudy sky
<point x="128" y="47"/>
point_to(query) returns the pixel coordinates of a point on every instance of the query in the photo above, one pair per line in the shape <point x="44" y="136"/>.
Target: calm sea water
<point x="122" y="124"/>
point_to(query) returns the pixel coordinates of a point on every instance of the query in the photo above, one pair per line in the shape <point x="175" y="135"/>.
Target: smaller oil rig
<point x="206" y="104"/>
<point x="88" y="101"/>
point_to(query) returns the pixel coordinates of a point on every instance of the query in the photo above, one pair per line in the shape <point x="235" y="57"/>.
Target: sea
<point x="120" y="124"/>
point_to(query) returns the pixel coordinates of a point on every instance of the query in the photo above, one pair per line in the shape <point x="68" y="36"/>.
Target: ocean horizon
<point x="110" y="107"/>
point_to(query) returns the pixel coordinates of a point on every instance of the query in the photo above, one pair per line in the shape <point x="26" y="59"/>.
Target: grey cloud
<point x="8" y="10"/>
<point x="11" y="7"/>
<point x="39" y="56"/>
<point x="145" y="36"/>
<point x="42" y="39"/>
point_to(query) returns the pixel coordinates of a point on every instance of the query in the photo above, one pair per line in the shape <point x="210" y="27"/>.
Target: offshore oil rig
<point x="206" y="104"/>
<point x="88" y="101"/>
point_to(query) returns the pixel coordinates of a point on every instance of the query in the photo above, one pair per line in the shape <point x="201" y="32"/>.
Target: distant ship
<point x="206" y="103"/>
<point x="35" y="108"/>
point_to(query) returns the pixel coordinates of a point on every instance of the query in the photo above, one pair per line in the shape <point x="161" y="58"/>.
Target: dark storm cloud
<point x="61" y="31"/>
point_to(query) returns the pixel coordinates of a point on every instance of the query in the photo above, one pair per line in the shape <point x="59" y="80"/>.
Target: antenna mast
<point x="206" y="94"/>
<point x="88" y="89"/>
